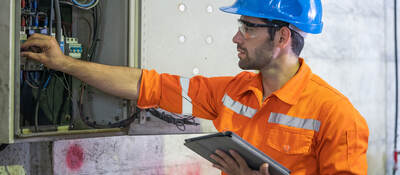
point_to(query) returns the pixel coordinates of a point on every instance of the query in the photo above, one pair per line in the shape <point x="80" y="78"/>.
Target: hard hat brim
<point x="308" y="28"/>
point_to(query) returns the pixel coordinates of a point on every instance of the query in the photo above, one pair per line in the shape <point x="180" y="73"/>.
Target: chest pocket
<point x="289" y="141"/>
<point x="291" y="135"/>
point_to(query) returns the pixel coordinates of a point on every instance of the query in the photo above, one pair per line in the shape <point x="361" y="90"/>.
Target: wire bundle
<point x="86" y="5"/>
<point x="178" y="120"/>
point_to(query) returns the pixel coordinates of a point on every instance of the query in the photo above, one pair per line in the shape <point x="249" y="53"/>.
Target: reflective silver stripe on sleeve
<point x="186" y="100"/>
<point x="283" y="119"/>
<point x="238" y="107"/>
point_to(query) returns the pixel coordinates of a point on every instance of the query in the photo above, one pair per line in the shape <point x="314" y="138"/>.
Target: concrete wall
<point x="140" y="155"/>
<point x="354" y="54"/>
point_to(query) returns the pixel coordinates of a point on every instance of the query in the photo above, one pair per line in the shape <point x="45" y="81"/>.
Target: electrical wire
<point x="51" y="18"/>
<point x="396" y="88"/>
<point x="91" y="3"/>
<point x="78" y="6"/>
<point x="66" y="85"/>
<point x="31" y="85"/>
<point x="39" y="92"/>
<point x="169" y="117"/>
<point x="58" y="19"/>
<point x="97" y="18"/>
<point x="27" y="78"/>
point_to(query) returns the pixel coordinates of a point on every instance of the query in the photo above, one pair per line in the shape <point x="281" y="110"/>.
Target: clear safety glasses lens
<point x="247" y="29"/>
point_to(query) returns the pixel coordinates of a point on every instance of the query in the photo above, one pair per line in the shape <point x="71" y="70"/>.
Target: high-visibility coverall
<point x="307" y="125"/>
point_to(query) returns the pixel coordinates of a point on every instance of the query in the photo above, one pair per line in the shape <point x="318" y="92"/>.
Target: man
<point x="285" y="110"/>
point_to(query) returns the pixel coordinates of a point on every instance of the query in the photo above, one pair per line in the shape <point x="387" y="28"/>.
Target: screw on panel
<point x="209" y="39"/>
<point x="196" y="71"/>
<point x="210" y="9"/>
<point x="182" y="38"/>
<point x="181" y="7"/>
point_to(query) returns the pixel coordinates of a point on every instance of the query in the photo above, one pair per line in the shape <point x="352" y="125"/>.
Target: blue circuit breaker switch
<point x="62" y="45"/>
<point x="73" y="48"/>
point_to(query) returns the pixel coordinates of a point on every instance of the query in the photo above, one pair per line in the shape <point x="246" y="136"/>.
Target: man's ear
<point x="283" y="37"/>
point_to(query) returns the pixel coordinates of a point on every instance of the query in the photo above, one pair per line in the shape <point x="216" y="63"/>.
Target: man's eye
<point x="247" y="29"/>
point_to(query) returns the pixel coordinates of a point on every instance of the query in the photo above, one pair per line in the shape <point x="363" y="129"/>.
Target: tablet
<point x="225" y="141"/>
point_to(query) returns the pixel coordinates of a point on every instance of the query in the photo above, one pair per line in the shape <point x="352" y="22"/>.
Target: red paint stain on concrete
<point x="74" y="157"/>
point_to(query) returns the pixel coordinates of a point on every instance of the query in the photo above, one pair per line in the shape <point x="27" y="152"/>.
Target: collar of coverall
<point x="290" y="92"/>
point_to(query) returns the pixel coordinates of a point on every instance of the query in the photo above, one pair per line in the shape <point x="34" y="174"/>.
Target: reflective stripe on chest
<point x="296" y="122"/>
<point x="238" y="107"/>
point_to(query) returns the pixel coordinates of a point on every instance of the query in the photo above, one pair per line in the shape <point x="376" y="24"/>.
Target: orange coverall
<point x="307" y="125"/>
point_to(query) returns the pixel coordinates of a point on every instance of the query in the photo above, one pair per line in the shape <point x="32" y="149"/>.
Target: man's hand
<point x="45" y="50"/>
<point x="235" y="165"/>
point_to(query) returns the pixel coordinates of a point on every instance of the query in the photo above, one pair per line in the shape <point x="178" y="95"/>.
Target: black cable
<point x="396" y="86"/>
<point x="58" y="19"/>
<point x="37" y="106"/>
<point x="51" y="17"/>
<point x="96" y="25"/>
<point x="95" y="125"/>
<point x="179" y="121"/>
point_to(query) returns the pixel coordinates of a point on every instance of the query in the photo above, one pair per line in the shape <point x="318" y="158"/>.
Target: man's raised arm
<point x="115" y="80"/>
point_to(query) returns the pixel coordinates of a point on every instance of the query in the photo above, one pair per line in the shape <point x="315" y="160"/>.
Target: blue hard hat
<point x="304" y="14"/>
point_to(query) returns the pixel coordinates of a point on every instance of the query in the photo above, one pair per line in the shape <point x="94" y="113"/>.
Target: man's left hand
<point x="235" y="165"/>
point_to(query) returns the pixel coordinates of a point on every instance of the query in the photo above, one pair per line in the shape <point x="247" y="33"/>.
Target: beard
<point x="261" y="58"/>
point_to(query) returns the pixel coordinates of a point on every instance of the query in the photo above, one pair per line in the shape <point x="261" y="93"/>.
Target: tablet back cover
<point x="225" y="141"/>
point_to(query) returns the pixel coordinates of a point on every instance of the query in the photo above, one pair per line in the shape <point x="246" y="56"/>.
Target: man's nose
<point x="237" y="38"/>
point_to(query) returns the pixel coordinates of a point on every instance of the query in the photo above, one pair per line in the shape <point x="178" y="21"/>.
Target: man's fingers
<point x="227" y="158"/>
<point x="35" y="56"/>
<point x="39" y="36"/>
<point x="218" y="167"/>
<point x="242" y="163"/>
<point x="32" y="45"/>
<point x="219" y="160"/>
<point x="38" y="41"/>
<point x="264" y="169"/>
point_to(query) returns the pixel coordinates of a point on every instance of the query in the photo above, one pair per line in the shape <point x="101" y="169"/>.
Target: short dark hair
<point x="297" y="39"/>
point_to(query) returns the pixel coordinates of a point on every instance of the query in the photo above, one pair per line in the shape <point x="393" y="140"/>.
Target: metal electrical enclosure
<point x="113" y="49"/>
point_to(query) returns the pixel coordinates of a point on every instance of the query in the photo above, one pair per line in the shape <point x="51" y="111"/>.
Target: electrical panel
<point x="42" y="104"/>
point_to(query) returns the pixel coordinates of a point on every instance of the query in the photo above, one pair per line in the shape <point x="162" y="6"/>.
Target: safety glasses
<point x="248" y="29"/>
